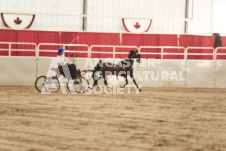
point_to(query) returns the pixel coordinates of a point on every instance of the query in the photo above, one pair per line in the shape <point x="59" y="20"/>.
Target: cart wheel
<point x="78" y="85"/>
<point x="47" y="84"/>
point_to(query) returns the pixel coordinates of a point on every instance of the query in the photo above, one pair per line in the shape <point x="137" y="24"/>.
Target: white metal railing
<point x="198" y="54"/>
<point x="10" y="49"/>
<point x="216" y="52"/>
<point x="89" y="50"/>
<point x="162" y="53"/>
<point x="63" y="45"/>
<point x="109" y="46"/>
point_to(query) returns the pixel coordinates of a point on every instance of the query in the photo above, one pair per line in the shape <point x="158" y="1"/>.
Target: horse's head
<point x="134" y="55"/>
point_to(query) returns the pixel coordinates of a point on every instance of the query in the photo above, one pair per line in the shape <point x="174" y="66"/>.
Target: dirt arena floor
<point x="158" y="119"/>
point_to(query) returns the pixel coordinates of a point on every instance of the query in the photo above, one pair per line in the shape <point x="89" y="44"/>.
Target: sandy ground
<point x="158" y="119"/>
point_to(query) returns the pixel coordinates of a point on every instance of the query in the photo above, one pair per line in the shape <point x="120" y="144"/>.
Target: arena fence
<point x="98" y="49"/>
<point x="208" y="71"/>
<point x="161" y="53"/>
<point x="18" y="48"/>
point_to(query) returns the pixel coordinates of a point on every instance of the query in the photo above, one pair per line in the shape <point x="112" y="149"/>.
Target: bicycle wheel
<point x="47" y="84"/>
<point x="78" y="85"/>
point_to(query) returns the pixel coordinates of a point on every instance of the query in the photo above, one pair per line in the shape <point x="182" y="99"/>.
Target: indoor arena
<point x="112" y="75"/>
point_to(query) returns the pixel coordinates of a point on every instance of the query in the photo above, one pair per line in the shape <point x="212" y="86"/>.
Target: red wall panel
<point x="149" y="40"/>
<point x="223" y="41"/>
<point x="198" y="41"/>
<point x="7" y="36"/>
<point x="92" y="38"/>
<point x="98" y="38"/>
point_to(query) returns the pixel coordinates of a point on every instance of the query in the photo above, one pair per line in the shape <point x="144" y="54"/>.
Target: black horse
<point x="123" y="69"/>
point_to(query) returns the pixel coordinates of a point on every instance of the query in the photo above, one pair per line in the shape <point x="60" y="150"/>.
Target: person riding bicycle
<point x="64" y="61"/>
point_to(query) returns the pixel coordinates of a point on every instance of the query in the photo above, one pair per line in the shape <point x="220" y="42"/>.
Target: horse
<point x="124" y="68"/>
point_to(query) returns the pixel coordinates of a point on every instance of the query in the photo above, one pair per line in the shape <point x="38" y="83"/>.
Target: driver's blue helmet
<point x="60" y="51"/>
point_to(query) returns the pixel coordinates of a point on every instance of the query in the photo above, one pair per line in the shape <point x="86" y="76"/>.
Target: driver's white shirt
<point x="62" y="60"/>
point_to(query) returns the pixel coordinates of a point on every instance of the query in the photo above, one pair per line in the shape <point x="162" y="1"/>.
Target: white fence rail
<point x="10" y="48"/>
<point x="63" y="45"/>
<point x="109" y="46"/>
<point x="216" y="52"/>
<point x="198" y="73"/>
<point x="90" y="49"/>
<point x="162" y="53"/>
<point x="199" y="54"/>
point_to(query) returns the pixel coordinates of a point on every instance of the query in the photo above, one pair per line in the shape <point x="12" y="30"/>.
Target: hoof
<point x="122" y="86"/>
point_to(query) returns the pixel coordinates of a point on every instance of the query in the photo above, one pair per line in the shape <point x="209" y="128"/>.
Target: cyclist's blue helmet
<point x="60" y="51"/>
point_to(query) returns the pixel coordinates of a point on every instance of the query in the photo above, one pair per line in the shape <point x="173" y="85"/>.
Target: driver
<point x="64" y="61"/>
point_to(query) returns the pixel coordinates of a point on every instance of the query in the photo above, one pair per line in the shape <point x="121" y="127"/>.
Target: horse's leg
<point x="95" y="83"/>
<point x="96" y="69"/>
<point x="95" y="79"/>
<point x="123" y="86"/>
<point x="126" y="82"/>
<point x="134" y="81"/>
<point x="106" y="83"/>
<point x="105" y="79"/>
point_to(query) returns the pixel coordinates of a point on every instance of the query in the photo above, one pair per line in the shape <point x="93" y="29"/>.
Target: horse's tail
<point x="97" y="67"/>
